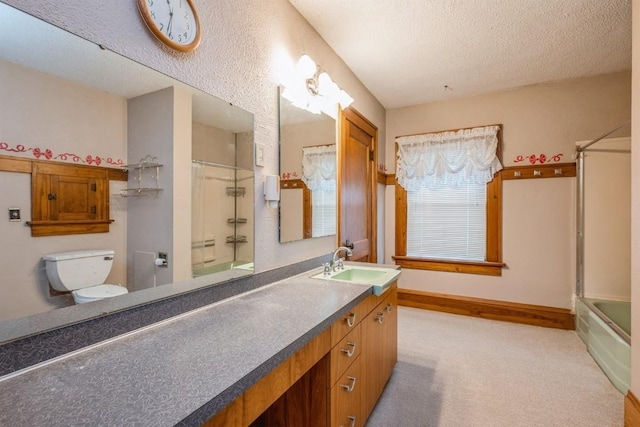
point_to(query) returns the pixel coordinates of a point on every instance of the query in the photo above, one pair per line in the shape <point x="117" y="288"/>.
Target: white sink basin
<point x="379" y="278"/>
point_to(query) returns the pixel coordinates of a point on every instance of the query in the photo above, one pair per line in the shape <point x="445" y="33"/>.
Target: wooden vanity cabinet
<point x="335" y="380"/>
<point x="380" y="353"/>
<point x="377" y="329"/>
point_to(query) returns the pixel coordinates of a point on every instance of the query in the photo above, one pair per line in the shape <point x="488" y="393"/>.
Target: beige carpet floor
<point x="458" y="371"/>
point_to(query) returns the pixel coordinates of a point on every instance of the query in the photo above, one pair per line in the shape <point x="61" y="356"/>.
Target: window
<point x="319" y="175"/>
<point x="448" y="201"/>
<point x="323" y="216"/>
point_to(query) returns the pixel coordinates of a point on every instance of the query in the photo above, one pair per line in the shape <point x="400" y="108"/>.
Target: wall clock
<point x="174" y="22"/>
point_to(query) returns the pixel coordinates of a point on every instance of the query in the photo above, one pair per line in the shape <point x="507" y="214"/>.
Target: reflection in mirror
<point x="68" y="100"/>
<point x="307" y="172"/>
<point x="221" y="232"/>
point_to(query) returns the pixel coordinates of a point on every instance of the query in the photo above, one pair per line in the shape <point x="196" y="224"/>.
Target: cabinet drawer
<point x="347" y="323"/>
<point x="372" y="301"/>
<point x="345" y="398"/>
<point x="344" y="353"/>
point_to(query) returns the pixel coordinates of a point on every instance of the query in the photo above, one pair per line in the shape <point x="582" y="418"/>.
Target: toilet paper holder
<point x="162" y="260"/>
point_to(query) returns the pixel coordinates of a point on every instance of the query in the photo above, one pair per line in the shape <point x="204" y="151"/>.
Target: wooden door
<point x="357" y="186"/>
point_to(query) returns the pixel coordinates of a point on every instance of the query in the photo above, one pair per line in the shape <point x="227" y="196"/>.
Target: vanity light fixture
<point x="310" y="88"/>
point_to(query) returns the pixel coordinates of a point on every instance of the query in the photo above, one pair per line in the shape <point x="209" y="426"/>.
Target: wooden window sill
<point x="487" y="268"/>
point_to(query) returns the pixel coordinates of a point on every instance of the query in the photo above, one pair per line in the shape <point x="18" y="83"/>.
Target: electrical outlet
<point x="14" y="214"/>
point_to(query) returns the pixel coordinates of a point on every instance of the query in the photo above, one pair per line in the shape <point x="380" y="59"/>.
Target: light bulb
<point x="306" y="67"/>
<point x="324" y="83"/>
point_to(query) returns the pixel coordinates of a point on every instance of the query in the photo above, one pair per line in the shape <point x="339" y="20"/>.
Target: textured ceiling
<point x="407" y="52"/>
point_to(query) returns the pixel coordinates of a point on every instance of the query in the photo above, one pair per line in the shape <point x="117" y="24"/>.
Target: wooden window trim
<point x="492" y="266"/>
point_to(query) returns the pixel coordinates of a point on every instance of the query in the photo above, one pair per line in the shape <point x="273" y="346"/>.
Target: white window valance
<point x="447" y="158"/>
<point x="319" y="167"/>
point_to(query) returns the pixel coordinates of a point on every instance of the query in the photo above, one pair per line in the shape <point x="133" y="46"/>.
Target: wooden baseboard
<point x="631" y="410"/>
<point x="537" y="315"/>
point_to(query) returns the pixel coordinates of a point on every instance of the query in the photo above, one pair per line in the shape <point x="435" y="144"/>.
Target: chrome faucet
<point x="337" y="263"/>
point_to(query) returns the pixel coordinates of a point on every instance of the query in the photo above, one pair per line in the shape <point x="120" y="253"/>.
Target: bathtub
<point x="241" y="265"/>
<point x="605" y="327"/>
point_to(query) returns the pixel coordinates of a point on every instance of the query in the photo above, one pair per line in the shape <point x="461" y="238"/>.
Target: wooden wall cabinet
<point x="68" y="199"/>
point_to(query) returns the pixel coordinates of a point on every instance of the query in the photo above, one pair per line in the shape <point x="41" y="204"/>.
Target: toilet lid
<point x="101" y="291"/>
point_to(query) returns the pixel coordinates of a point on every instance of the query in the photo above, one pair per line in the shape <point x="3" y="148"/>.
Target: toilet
<point x="82" y="273"/>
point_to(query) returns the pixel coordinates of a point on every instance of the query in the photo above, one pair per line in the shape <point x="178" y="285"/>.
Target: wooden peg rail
<point x="287" y="184"/>
<point x="557" y="170"/>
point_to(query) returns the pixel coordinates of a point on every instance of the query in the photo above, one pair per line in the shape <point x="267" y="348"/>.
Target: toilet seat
<point x="94" y="293"/>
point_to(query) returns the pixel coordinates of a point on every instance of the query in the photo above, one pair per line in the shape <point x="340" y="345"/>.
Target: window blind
<point x="323" y="212"/>
<point x="447" y="222"/>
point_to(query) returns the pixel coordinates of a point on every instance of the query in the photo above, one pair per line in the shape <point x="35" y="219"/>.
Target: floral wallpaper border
<point x="47" y="154"/>
<point x="542" y="158"/>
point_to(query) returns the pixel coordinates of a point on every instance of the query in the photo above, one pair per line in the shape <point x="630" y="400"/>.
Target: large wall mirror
<point x="67" y="99"/>
<point x="308" y="173"/>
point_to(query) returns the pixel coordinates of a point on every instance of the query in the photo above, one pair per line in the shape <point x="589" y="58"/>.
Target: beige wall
<point x="538" y="215"/>
<point x="69" y="118"/>
<point x="212" y="144"/>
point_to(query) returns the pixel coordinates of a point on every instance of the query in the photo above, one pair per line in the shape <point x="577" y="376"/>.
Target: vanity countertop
<point x="181" y="371"/>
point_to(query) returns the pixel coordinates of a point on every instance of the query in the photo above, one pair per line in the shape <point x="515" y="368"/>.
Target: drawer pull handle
<point x="351" y="319"/>
<point x="380" y="317"/>
<point x="353" y="384"/>
<point x="351" y="352"/>
<point x="389" y="307"/>
<point x="353" y="421"/>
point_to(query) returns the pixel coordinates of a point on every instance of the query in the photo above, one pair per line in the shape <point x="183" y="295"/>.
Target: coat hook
<point x="558" y="171"/>
<point x="517" y="173"/>
<point x="537" y="173"/>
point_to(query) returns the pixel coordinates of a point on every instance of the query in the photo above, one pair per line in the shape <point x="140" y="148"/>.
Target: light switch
<point x="260" y="155"/>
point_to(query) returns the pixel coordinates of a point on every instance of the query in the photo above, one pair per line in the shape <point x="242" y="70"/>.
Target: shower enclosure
<point x="221" y="218"/>
<point x="603" y="276"/>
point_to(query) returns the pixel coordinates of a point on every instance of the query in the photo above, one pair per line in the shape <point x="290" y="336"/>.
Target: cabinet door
<point x="390" y="335"/>
<point x="380" y="353"/>
<point x="76" y="198"/>
<point x="373" y="337"/>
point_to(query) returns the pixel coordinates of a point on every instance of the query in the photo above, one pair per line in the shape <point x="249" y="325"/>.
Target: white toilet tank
<point x="69" y="271"/>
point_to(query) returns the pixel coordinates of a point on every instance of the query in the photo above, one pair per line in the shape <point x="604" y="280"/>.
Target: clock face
<point x="174" y="22"/>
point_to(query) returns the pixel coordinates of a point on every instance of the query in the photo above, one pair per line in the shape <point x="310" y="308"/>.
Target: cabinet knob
<point x="348" y="352"/>
<point x="350" y="319"/>
<point x="353" y="384"/>
<point x="353" y="421"/>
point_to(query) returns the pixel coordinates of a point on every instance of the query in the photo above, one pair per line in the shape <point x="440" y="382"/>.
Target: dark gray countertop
<point x="181" y="371"/>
